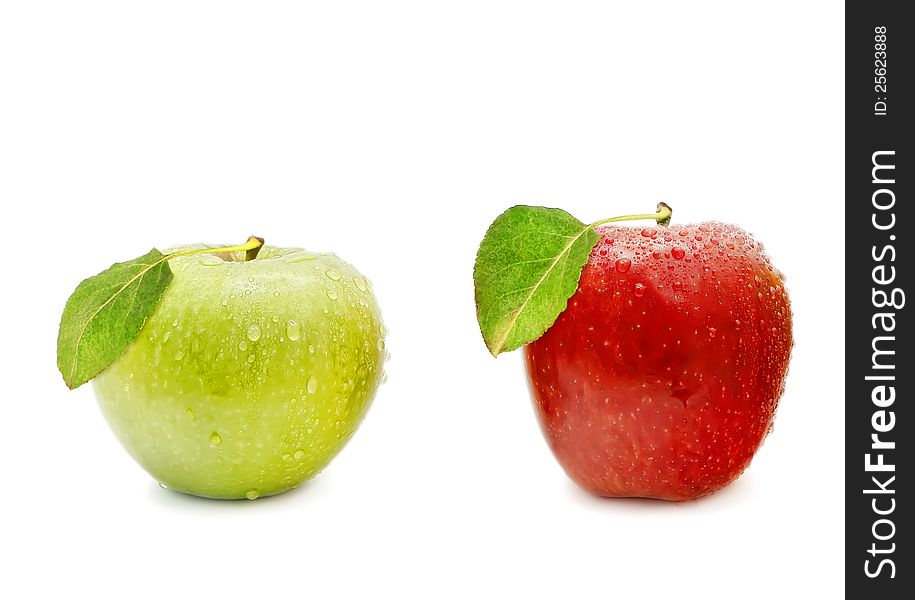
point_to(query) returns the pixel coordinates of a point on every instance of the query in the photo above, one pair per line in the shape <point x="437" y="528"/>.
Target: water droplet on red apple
<point x="639" y="290"/>
<point x="678" y="253"/>
<point x="623" y="264"/>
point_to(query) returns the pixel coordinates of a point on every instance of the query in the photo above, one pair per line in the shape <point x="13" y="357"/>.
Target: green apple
<point x="249" y="376"/>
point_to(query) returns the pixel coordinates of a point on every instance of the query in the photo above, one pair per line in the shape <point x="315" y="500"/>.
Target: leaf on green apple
<point x="105" y="314"/>
<point x="527" y="268"/>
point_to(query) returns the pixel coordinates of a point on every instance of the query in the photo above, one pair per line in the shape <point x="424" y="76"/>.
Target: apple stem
<point x="251" y="247"/>
<point x="662" y="217"/>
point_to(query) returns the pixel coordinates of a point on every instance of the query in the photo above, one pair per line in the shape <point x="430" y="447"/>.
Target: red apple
<point x="662" y="376"/>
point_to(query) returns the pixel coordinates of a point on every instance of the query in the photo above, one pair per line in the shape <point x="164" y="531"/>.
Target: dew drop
<point x="332" y="275"/>
<point x="639" y="290"/>
<point x="312" y="385"/>
<point x="287" y="456"/>
<point x="250" y="358"/>
<point x="179" y="355"/>
<point x="360" y="284"/>
<point x="167" y="335"/>
<point x="332" y="294"/>
<point x="712" y="332"/>
<point x="190" y="413"/>
<point x="299" y="258"/>
<point x="311" y="348"/>
<point x="254" y="333"/>
<point x="162" y="485"/>
<point x="384" y="377"/>
<point x="126" y="387"/>
<point x="380" y="344"/>
<point x="737" y="324"/>
<point x="252" y="494"/>
<point x="678" y="286"/>
<point x="299" y="454"/>
<point x="648" y="232"/>
<point x="292" y="331"/>
<point x="678" y="253"/>
<point x="215" y="439"/>
<point x="623" y="264"/>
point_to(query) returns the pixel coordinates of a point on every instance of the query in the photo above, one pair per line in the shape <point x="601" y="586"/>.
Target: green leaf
<point x="105" y="314"/>
<point x="527" y="268"/>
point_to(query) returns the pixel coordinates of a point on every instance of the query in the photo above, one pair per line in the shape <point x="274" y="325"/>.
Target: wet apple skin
<point x="662" y="376"/>
<point x="209" y="411"/>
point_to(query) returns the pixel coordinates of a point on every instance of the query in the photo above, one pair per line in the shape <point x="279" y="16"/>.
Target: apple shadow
<point x="171" y="498"/>
<point x="737" y="492"/>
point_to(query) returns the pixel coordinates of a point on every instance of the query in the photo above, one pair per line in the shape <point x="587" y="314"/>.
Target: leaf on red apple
<point x="527" y="268"/>
<point x="106" y="313"/>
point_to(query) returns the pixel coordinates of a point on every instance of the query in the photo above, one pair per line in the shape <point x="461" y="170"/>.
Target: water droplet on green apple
<point x="311" y="348"/>
<point x="179" y="355"/>
<point x="162" y="485"/>
<point x="380" y="344"/>
<point x="332" y="275"/>
<point x="312" y="385"/>
<point x="360" y="284"/>
<point x="250" y="358"/>
<point x="126" y="387"/>
<point x="243" y="345"/>
<point x="292" y="331"/>
<point x="252" y="494"/>
<point x="254" y="333"/>
<point x="299" y="454"/>
<point x="332" y="294"/>
<point x="215" y="439"/>
<point x="210" y="261"/>
<point x="295" y="258"/>
<point x="287" y="456"/>
<point x="165" y="337"/>
<point x="190" y="413"/>
<point x="384" y="377"/>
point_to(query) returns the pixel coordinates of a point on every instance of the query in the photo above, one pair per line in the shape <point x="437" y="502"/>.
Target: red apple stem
<point x="662" y="217"/>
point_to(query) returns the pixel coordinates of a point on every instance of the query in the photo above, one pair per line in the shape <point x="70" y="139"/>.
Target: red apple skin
<point x="662" y="376"/>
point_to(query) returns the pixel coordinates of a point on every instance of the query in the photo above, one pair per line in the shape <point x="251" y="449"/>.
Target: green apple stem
<point x="250" y="248"/>
<point x="662" y="217"/>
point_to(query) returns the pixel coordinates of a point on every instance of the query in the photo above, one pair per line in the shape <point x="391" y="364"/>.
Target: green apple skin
<point x="248" y="377"/>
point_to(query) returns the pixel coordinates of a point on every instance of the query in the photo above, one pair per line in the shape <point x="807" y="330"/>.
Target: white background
<point x="392" y="133"/>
